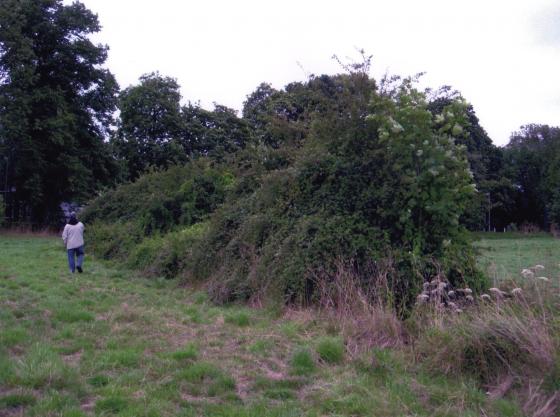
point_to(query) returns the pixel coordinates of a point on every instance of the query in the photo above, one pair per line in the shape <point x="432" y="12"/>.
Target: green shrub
<point x="164" y="255"/>
<point x="388" y="187"/>
<point x="159" y="201"/>
<point x="383" y="182"/>
<point x="113" y="240"/>
<point x="331" y="349"/>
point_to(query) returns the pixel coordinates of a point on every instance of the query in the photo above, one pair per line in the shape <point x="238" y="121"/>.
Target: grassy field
<point x="106" y="343"/>
<point x="504" y="255"/>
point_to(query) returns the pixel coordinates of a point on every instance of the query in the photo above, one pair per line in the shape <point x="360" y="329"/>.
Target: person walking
<point x="73" y="237"/>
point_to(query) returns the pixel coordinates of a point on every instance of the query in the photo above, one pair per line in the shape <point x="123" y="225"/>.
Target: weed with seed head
<point x="57" y="404"/>
<point x="194" y="314"/>
<point x="290" y="329"/>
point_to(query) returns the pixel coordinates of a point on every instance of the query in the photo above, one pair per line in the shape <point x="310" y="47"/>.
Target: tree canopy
<point x="533" y="156"/>
<point x="56" y="105"/>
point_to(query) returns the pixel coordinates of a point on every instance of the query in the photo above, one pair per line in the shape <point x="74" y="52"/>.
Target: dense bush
<point x="113" y="240"/>
<point x="159" y="201"/>
<point x="378" y="178"/>
<point x="375" y="177"/>
<point x="164" y="255"/>
<point x="148" y="223"/>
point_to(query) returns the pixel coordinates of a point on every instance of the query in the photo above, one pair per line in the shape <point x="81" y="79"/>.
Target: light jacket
<point x="73" y="235"/>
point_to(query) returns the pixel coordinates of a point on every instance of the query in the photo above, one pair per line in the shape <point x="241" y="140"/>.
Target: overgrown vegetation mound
<point x="359" y="172"/>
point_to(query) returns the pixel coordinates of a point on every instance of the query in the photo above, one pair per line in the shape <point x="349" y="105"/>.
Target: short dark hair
<point x="73" y="219"/>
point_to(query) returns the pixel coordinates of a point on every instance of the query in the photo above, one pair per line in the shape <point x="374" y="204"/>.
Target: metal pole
<point x="6" y="174"/>
<point x="489" y="213"/>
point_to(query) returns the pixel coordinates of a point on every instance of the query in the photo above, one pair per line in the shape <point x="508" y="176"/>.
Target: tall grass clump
<point x="41" y="367"/>
<point x="330" y="349"/>
<point x="302" y="362"/>
<point x="363" y="312"/>
<point x="508" y="341"/>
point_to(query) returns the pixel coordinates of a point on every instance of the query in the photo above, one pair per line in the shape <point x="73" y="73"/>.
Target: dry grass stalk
<point x="539" y="404"/>
<point x="510" y="343"/>
<point x="360" y="310"/>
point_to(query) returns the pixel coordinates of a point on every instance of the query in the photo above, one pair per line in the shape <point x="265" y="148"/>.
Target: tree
<point x="2" y="211"/>
<point x="533" y="158"/>
<point x="56" y="105"/>
<point x="491" y="205"/>
<point x="150" y="123"/>
<point x="214" y="133"/>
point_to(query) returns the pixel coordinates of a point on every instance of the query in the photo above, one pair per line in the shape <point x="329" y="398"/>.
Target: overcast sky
<point x="504" y="56"/>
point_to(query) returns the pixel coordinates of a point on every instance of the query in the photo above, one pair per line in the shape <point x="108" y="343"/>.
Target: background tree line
<point x="60" y="138"/>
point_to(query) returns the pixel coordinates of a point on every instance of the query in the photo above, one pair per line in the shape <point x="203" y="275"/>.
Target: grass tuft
<point x="200" y="371"/>
<point x="222" y="385"/>
<point x="98" y="380"/>
<point x="302" y="362"/>
<point x="189" y="352"/>
<point x="69" y="315"/>
<point x="331" y="349"/>
<point x="16" y="400"/>
<point x="112" y="405"/>
<point x="42" y="368"/>
<point x="261" y="347"/>
<point x="240" y="319"/>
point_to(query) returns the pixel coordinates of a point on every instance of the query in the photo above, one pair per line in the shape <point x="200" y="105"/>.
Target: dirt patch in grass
<point x="73" y="359"/>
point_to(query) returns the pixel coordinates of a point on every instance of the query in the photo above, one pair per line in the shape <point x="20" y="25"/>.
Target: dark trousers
<point x="72" y="254"/>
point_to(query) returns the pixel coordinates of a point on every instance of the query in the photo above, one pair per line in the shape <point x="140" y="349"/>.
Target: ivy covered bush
<point x="341" y="169"/>
<point x="379" y="178"/>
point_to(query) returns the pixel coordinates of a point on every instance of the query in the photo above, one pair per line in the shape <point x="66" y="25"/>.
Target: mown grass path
<point x="107" y="342"/>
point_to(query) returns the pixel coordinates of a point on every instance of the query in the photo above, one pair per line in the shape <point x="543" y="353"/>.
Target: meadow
<point x="109" y="342"/>
<point x="504" y="255"/>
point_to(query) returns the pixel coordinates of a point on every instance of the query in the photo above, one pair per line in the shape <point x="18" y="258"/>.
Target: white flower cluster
<point x="440" y="294"/>
<point x="530" y="273"/>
